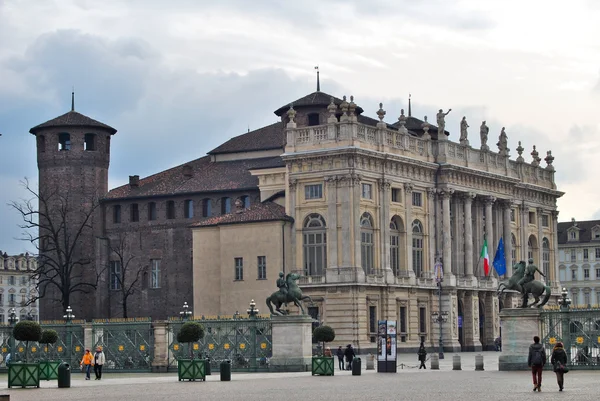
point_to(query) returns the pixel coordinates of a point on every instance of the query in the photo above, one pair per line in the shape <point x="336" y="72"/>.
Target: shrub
<point x="27" y="330"/>
<point x="324" y="334"/>
<point x="49" y="337"/>
<point x="190" y="332"/>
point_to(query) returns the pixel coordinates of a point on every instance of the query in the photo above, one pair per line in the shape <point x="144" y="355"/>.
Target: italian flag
<point x="486" y="258"/>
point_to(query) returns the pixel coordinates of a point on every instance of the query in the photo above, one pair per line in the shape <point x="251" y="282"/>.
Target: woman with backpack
<point x="558" y="361"/>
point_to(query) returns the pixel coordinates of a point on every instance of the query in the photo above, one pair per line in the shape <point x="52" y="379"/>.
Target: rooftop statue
<point x="463" y="131"/>
<point x="288" y="292"/>
<point x="523" y="281"/>
<point x="483" y="133"/>
<point x="503" y="143"/>
<point x="441" y="120"/>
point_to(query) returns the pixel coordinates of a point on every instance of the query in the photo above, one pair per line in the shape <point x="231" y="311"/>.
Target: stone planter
<point x="49" y="370"/>
<point x="23" y="375"/>
<point x="322" y="365"/>
<point x="191" y="369"/>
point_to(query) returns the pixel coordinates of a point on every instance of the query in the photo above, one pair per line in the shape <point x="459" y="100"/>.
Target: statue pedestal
<point x="518" y="328"/>
<point x="292" y="343"/>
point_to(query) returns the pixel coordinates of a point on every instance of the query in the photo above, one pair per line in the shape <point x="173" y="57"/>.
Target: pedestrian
<point x="422" y="353"/>
<point x="99" y="360"/>
<point x="536" y="361"/>
<point x="498" y="343"/>
<point x="86" y="363"/>
<point x="349" y="354"/>
<point x="327" y="352"/>
<point x="340" y="355"/>
<point x="558" y="361"/>
<point x="8" y="359"/>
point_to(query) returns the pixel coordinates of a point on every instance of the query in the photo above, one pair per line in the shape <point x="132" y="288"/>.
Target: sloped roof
<point x="265" y="138"/>
<point x="314" y="99"/>
<point x="73" y="119"/>
<point x="201" y="175"/>
<point x="259" y="212"/>
<point x="585" y="231"/>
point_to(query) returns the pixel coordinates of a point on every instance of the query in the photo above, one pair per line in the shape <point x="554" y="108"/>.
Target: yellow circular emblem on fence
<point x="552" y="340"/>
<point x="78" y="348"/>
<point x="176" y="347"/>
<point x="121" y="348"/>
<point x="33" y="349"/>
<point x="59" y="349"/>
<point x="45" y="349"/>
<point x="242" y="346"/>
<point x="142" y="347"/>
<point x="226" y="346"/>
<point x="579" y="340"/>
<point x="598" y="339"/>
<point x="212" y="346"/>
<point x="263" y="345"/>
<point x="196" y="346"/>
<point x="4" y="349"/>
<point x="21" y="349"/>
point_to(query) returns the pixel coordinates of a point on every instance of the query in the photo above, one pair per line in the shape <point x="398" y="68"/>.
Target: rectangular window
<point x="239" y="269"/>
<point x="135" y="212"/>
<point x="396" y="195"/>
<point x="366" y="239"/>
<point x="170" y="210"/>
<point x="23" y="280"/>
<point x="573" y="255"/>
<point x="417" y="199"/>
<point x="206" y="209"/>
<point x="189" y="208"/>
<point x="422" y="320"/>
<point x="586" y="299"/>
<point x="2" y="321"/>
<point x="512" y="215"/>
<point x="403" y="324"/>
<point x="115" y="275"/>
<point x="585" y="254"/>
<point x="574" y="275"/>
<point x="11" y="299"/>
<point x="373" y="322"/>
<point x="531" y="217"/>
<point x="586" y="274"/>
<point x="262" y="267"/>
<point x="313" y="191"/>
<point x="598" y="278"/>
<point x="417" y="251"/>
<point x="572" y="235"/>
<point x="11" y="280"/>
<point x="1" y="300"/>
<point x="225" y="205"/>
<point x="395" y="254"/>
<point x="545" y="220"/>
<point x="155" y="273"/>
<point x="90" y="142"/>
<point x="151" y="211"/>
<point x="597" y="253"/>
<point x="367" y="191"/>
<point x="116" y="214"/>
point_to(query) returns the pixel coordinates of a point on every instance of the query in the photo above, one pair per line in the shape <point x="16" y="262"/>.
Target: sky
<point x="178" y="78"/>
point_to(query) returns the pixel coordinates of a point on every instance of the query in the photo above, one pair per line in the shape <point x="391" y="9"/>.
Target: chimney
<point x="239" y="205"/>
<point x="134" y="181"/>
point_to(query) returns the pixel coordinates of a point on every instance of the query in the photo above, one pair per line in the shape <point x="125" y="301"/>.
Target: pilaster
<point x="489" y="228"/>
<point x="506" y="233"/>
<point x="540" y="234"/>
<point x="332" y="223"/>
<point x="384" y="214"/>
<point x="160" y="361"/>
<point x="446" y="235"/>
<point x="408" y="188"/>
<point x="470" y="322"/>
<point x="468" y="204"/>
<point x="431" y="234"/>
<point x="293" y="184"/>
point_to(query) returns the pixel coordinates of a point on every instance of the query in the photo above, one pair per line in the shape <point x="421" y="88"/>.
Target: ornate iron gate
<point x="578" y="330"/>
<point x="246" y="342"/>
<point x="128" y="344"/>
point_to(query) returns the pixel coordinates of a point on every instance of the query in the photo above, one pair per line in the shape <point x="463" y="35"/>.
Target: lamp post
<point x="440" y="317"/>
<point x="69" y="316"/>
<point x="565" y="303"/>
<point x="186" y="312"/>
<point x="12" y="320"/>
<point x="252" y="313"/>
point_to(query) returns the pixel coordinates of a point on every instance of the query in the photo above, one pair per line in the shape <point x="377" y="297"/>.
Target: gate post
<point x="160" y="362"/>
<point x="88" y="337"/>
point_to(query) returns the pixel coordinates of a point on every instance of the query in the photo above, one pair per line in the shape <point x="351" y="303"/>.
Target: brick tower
<point x="73" y="153"/>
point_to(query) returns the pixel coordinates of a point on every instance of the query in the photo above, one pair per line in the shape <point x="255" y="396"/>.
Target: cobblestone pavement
<point x="407" y="384"/>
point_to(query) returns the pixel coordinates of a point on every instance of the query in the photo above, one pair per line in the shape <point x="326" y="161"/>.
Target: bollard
<point x="434" y="362"/>
<point x="479" y="362"/>
<point x="456" y="362"/>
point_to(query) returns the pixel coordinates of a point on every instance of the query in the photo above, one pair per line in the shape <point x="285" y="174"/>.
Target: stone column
<point x="506" y="233"/>
<point x="408" y="215"/>
<point x="446" y="238"/>
<point x="489" y="229"/>
<point x="384" y="223"/>
<point x="540" y="234"/>
<point x="345" y="193"/>
<point x="431" y="193"/>
<point x="355" y="222"/>
<point x="332" y="234"/>
<point x="554" y="252"/>
<point x="88" y="336"/>
<point x="160" y="362"/>
<point x="524" y="224"/>
<point x="468" y="203"/>
<point x="471" y="322"/>
<point x="293" y="184"/>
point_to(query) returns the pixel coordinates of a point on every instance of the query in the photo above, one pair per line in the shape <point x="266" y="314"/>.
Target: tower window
<point x="41" y="142"/>
<point x="64" y="141"/>
<point x="116" y="214"/>
<point x="206" y="212"/>
<point x="135" y="212"/>
<point x="225" y="205"/>
<point x="170" y="209"/>
<point x="151" y="211"/>
<point x="313" y="119"/>
<point x="90" y="142"/>
<point x="189" y="208"/>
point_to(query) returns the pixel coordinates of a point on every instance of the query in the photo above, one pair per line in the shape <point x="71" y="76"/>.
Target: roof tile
<point x="264" y="211"/>
<point x="72" y="119"/>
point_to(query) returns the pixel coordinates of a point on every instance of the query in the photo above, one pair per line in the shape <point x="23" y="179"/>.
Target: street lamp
<point x="186" y="312"/>
<point x="440" y="317"/>
<point x="565" y="301"/>
<point x="252" y="311"/>
<point x="12" y="320"/>
<point x="69" y="316"/>
<point x="236" y="315"/>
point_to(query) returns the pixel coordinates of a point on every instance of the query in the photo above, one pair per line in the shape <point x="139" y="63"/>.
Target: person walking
<point x="99" y="360"/>
<point x="86" y="363"/>
<point x="340" y="355"/>
<point x="349" y="354"/>
<point x="558" y="361"/>
<point x="422" y="353"/>
<point x="536" y="361"/>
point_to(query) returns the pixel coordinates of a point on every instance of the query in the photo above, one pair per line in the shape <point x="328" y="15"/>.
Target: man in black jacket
<point x="536" y="361"/>
<point x="349" y="354"/>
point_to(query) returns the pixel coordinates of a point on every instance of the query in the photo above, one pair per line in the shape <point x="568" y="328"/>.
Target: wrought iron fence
<point x="578" y="330"/>
<point x="246" y="342"/>
<point x="127" y="344"/>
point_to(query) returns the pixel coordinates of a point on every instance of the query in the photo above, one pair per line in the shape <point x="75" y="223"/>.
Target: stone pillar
<point x="523" y="226"/>
<point x="292" y="343"/>
<point x="346" y="223"/>
<point x="88" y="336"/>
<point x="408" y="216"/>
<point x="468" y="203"/>
<point x="471" y="322"/>
<point x="293" y="184"/>
<point x="506" y="233"/>
<point x="555" y="254"/>
<point x="540" y="234"/>
<point x="446" y="238"/>
<point x="491" y="327"/>
<point x="384" y="223"/>
<point x="332" y="234"/>
<point x="160" y="362"/>
<point x="355" y="222"/>
<point x="431" y="193"/>
<point x="489" y="229"/>
<point x="518" y="328"/>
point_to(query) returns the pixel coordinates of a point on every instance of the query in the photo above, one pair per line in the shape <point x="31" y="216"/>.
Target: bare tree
<point x="58" y="227"/>
<point x="125" y="275"/>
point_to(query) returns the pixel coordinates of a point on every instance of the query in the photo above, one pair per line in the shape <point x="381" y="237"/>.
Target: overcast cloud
<point x="178" y="78"/>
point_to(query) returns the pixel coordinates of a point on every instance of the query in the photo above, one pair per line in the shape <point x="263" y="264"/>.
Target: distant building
<point x="579" y="261"/>
<point x="17" y="287"/>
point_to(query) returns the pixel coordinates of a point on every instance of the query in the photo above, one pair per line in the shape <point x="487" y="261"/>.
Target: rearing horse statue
<point x="535" y="287"/>
<point x="293" y="294"/>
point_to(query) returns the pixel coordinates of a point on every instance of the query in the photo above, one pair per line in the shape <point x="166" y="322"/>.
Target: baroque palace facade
<point x="363" y="209"/>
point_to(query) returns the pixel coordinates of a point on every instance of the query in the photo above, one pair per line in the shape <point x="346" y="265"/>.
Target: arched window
<point x="64" y="141"/>
<point x="314" y="239"/>
<point x="417" y="247"/>
<point x="366" y="243"/>
<point x="89" y="143"/>
<point x="225" y="205"/>
<point x="513" y="249"/>
<point x="395" y="230"/>
<point x="531" y="247"/>
<point x="246" y="201"/>
<point x="206" y="207"/>
<point x="546" y="259"/>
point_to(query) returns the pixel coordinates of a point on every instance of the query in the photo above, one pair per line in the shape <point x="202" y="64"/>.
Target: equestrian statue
<point x="523" y="281"/>
<point x="288" y="292"/>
